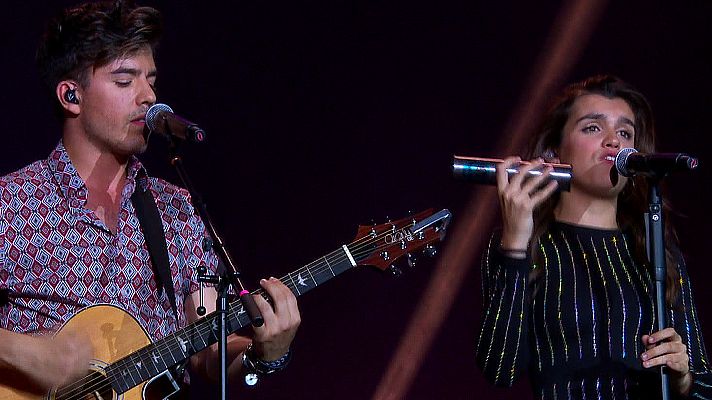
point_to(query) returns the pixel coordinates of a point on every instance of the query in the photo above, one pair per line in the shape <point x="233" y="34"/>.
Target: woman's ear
<point x="68" y="95"/>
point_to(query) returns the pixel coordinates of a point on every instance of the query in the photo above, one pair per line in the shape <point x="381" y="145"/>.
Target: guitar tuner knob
<point x="385" y="255"/>
<point x="430" y="250"/>
<point x="395" y="271"/>
<point x="421" y="235"/>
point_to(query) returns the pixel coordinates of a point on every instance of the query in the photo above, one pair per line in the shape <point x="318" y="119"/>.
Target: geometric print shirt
<point x="55" y="251"/>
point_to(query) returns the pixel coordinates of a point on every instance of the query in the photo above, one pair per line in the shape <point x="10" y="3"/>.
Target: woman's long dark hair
<point x="632" y="201"/>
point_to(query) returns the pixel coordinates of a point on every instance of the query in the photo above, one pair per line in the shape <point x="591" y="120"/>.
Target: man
<point x="69" y="233"/>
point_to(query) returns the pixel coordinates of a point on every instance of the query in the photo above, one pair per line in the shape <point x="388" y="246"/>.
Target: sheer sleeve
<point x="685" y="320"/>
<point x="502" y="348"/>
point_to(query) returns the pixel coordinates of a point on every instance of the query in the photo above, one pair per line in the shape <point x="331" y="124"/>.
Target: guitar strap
<point x="152" y="227"/>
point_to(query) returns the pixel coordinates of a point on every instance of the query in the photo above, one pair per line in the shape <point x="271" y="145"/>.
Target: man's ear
<point x="68" y="95"/>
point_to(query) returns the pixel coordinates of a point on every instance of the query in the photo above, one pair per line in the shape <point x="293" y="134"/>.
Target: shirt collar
<point x="72" y="185"/>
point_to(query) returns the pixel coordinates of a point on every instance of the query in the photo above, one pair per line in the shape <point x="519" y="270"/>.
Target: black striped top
<point x="577" y="330"/>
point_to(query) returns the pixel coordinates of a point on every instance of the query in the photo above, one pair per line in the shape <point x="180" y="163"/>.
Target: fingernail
<point x="646" y="364"/>
<point x="651" y="340"/>
<point x="263" y="280"/>
<point x="644" y="356"/>
<point x="272" y="278"/>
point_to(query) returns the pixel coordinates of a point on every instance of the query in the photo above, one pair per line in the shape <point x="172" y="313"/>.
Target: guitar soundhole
<point x="94" y="386"/>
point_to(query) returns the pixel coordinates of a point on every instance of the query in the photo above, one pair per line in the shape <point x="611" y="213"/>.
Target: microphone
<point x="630" y="162"/>
<point x="161" y="119"/>
<point x="484" y="171"/>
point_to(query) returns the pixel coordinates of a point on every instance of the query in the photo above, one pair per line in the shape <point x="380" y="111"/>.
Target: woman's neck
<point x="580" y="209"/>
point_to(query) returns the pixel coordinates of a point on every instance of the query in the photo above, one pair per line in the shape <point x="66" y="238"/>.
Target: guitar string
<point x="358" y="250"/>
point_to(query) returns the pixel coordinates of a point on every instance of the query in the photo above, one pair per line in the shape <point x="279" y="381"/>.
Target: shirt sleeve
<point x="685" y="320"/>
<point x="502" y="349"/>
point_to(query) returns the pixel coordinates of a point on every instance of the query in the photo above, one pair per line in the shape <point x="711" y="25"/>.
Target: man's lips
<point x="139" y="121"/>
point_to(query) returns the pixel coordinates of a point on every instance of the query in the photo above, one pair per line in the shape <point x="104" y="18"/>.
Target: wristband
<point x="256" y="367"/>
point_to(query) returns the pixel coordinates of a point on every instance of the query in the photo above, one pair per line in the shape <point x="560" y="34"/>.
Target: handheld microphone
<point x="630" y="162"/>
<point x="484" y="171"/>
<point x="161" y="119"/>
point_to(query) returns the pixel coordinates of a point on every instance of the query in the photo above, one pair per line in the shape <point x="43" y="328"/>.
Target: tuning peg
<point x="412" y="260"/>
<point x="395" y="271"/>
<point x="430" y="251"/>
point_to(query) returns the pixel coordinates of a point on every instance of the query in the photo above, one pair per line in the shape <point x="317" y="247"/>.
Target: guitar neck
<point x="175" y="348"/>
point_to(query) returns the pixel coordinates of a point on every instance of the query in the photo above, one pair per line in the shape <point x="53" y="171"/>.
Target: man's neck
<point x="104" y="174"/>
<point x="580" y="208"/>
<point x="99" y="169"/>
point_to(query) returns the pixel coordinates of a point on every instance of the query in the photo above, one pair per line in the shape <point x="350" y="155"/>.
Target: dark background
<point x="323" y="115"/>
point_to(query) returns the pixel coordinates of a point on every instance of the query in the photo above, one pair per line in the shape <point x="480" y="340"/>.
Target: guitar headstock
<point x="381" y="245"/>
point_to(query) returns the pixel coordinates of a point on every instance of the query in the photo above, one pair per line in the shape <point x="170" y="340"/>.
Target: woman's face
<point x="597" y="128"/>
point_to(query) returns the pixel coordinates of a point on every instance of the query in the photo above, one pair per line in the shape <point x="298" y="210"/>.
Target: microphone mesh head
<point x="152" y="114"/>
<point x="621" y="160"/>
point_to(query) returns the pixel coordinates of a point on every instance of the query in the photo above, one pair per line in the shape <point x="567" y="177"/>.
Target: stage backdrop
<point x="322" y="115"/>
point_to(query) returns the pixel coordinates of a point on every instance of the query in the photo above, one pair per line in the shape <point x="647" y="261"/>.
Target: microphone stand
<point x="228" y="276"/>
<point x="655" y="240"/>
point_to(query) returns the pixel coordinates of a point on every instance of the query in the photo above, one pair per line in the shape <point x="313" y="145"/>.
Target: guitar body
<point x="113" y="334"/>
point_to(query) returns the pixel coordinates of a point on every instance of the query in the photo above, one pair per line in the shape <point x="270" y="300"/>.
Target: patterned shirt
<point x="53" y="246"/>
<point x="577" y="332"/>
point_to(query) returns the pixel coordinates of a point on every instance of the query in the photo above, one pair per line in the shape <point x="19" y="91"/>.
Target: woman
<point x="568" y="294"/>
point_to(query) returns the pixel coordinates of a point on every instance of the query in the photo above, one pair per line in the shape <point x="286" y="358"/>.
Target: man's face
<point x="114" y="104"/>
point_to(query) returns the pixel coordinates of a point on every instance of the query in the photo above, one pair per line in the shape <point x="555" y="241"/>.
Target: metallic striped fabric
<point x="577" y="329"/>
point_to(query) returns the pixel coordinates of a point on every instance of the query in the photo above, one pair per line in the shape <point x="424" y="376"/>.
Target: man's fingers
<point x="284" y="301"/>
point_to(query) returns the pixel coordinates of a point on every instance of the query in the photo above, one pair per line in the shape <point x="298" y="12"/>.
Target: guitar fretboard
<point x="157" y="357"/>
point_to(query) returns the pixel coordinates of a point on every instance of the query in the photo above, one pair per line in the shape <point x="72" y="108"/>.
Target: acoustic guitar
<point x="127" y="365"/>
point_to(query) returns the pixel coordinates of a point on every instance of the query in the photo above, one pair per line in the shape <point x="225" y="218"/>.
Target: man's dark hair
<point x="94" y="35"/>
